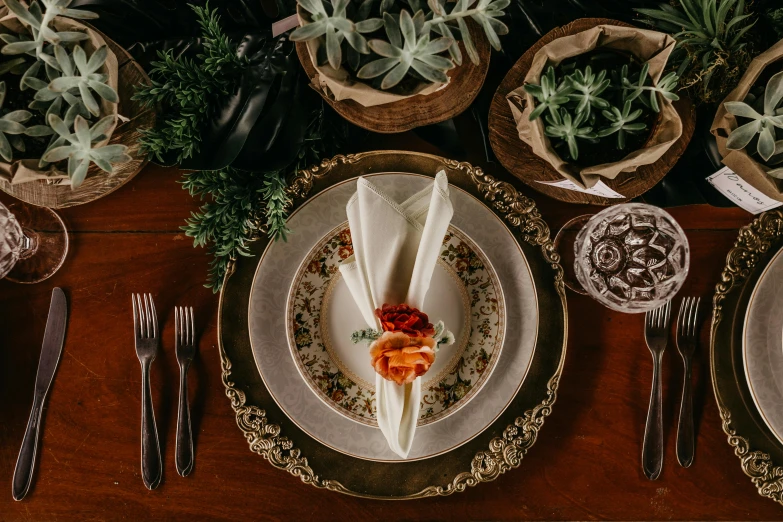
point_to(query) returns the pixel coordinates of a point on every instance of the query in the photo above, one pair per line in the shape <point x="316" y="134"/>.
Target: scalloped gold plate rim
<point x="757" y="447"/>
<point x="498" y="449"/>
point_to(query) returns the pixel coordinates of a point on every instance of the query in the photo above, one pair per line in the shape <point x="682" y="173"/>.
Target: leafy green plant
<point x="57" y="79"/>
<point x="761" y="134"/>
<point x="712" y="39"/>
<point x="401" y="43"/>
<point x="585" y="106"/>
<point x="79" y="150"/>
<point x="183" y="90"/>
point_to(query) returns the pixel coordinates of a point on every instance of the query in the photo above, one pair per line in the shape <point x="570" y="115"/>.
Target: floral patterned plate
<point x="464" y="293"/>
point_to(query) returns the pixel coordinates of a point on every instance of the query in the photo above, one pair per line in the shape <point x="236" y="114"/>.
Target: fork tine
<point x="681" y="316"/>
<point x="176" y="325"/>
<point x="154" y="321"/>
<point x="694" y="315"/>
<point x="192" y="326"/>
<point x="668" y="320"/>
<point x="147" y="318"/>
<point x="135" y="315"/>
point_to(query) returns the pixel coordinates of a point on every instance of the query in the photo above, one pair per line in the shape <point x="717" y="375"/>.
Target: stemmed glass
<point x="631" y="257"/>
<point x="33" y="243"/>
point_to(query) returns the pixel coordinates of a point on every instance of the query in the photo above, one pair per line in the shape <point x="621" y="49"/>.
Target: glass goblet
<point x="631" y="257"/>
<point x="33" y="243"/>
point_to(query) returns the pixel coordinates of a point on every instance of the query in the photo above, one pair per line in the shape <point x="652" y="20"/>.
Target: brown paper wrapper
<point x="651" y="47"/>
<point x="340" y="85"/>
<point x="26" y="170"/>
<point x="740" y="161"/>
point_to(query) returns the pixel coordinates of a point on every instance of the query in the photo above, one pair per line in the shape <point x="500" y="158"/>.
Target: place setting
<point x="390" y="323"/>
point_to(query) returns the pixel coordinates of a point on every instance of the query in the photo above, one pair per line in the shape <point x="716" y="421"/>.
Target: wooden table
<point x="586" y="463"/>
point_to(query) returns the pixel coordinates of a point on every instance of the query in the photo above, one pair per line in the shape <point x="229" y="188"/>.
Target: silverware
<point x="186" y="350"/>
<point x="687" y="339"/>
<point x="656" y="334"/>
<point x="54" y="338"/>
<point x="145" y="328"/>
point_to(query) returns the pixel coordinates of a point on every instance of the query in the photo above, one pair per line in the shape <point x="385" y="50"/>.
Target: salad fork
<point x="687" y="339"/>
<point x="186" y="350"/>
<point x="145" y="328"/>
<point x="656" y="334"/>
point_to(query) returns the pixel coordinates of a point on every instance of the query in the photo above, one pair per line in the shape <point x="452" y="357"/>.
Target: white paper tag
<point x="599" y="189"/>
<point x="728" y="183"/>
<point x="286" y="24"/>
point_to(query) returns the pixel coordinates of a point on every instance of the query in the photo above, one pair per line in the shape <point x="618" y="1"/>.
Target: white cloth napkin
<point x="396" y="247"/>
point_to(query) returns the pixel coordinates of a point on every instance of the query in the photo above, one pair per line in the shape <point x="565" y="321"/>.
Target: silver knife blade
<point x="54" y="338"/>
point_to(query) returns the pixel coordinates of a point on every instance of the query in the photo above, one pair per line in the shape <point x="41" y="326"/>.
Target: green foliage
<point x="712" y="38"/>
<point x="241" y="205"/>
<point x="406" y="46"/>
<point x="761" y="134"/>
<point x="567" y="104"/>
<point x="185" y="89"/>
<point x="367" y="335"/>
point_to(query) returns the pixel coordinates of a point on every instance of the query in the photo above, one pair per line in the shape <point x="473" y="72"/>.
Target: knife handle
<point x="151" y="469"/>
<point x="25" y="463"/>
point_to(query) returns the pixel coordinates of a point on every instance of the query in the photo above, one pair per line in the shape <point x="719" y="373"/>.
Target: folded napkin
<point x="396" y="247"/>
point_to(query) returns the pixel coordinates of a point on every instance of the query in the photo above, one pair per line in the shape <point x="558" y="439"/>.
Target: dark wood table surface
<point x="585" y="465"/>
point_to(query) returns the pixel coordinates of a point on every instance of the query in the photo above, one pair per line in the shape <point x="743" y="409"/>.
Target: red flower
<point x="406" y="319"/>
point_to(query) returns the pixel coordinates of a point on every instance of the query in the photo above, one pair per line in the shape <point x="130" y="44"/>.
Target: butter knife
<point x="54" y="337"/>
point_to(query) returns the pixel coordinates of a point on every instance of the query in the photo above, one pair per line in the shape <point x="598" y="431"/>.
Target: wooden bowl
<point x="518" y="158"/>
<point x="98" y="183"/>
<point x="417" y="111"/>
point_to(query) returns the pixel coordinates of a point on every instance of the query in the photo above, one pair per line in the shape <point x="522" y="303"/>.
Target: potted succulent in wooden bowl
<point x="590" y="102"/>
<point x="748" y="125"/>
<point x="58" y="101"/>
<point x="391" y="66"/>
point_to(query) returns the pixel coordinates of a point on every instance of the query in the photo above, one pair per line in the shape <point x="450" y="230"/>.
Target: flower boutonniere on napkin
<point x="405" y="347"/>
<point x="396" y="247"/>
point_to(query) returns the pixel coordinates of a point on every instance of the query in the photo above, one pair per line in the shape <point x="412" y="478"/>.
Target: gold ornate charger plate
<point x="465" y="293"/>
<point x="758" y="448"/>
<point x="98" y="183"/>
<point x="496" y="449"/>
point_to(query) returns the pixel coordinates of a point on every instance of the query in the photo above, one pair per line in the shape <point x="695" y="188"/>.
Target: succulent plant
<point x="622" y="122"/>
<point x="59" y="83"/>
<point x="560" y="124"/>
<point x="586" y="88"/>
<point x="86" y="80"/>
<point x="406" y="46"/>
<point x="11" y="126"/>
<point x="38" y="22"/>
<point x="618" y="96"/>
<point x="404" y="51"/>
<point x="762" y="126"/>
<point x="549" y="94"/>
<point x="711" y="40"/>
<point x="79" y="151"/>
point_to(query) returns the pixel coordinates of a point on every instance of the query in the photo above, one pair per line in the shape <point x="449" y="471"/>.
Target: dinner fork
<point x="687" y="339"/>
<point x="186" y="350"/>
<point x="656" y="334"/>
<point x="145" y="327"/>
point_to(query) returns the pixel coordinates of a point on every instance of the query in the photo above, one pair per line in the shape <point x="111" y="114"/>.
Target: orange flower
<point x="400" y="358"/>
<point x="406" y="319"/>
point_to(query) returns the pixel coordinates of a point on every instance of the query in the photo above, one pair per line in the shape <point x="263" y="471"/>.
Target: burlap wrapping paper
<point x="740" y="161"/>
<point x="26" y="170"/>
<point x="340" y="85"/>
<point x="651" y="47"/>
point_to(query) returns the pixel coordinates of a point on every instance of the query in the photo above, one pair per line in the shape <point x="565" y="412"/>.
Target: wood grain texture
<point x="407" y="114"/>
<point x="98" y="183"/>
<point x="518" y="158"/>
<point x="585" y="465"/>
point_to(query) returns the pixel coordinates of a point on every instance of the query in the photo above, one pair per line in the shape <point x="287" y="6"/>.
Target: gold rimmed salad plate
<point x="464" y="293"/>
